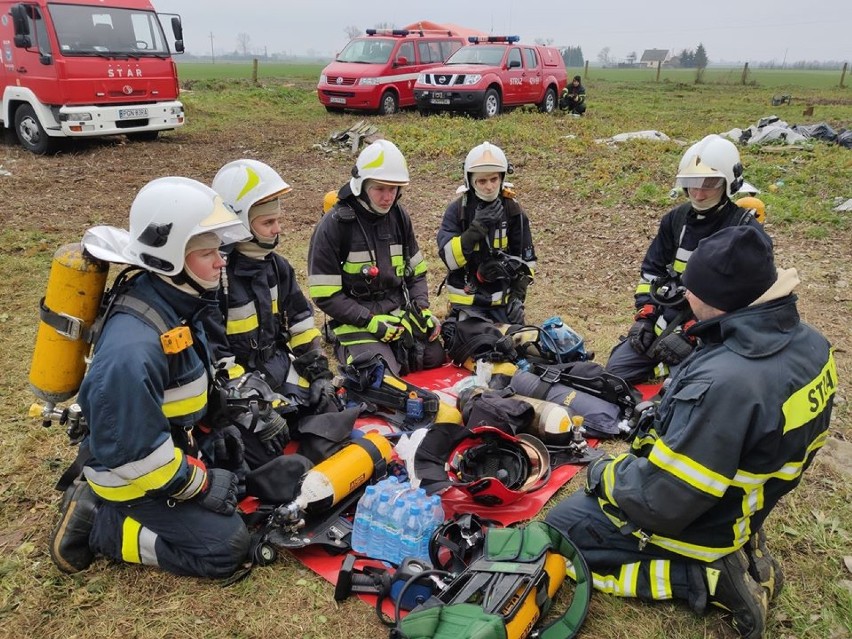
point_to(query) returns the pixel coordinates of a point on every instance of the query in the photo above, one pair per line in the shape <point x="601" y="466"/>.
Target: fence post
<point x="843" y="75"/>
<point x="254" y="71"/>
<point x="586" y="72"/>
<point x="659" y="65"/>
<point x="745" y="73"/>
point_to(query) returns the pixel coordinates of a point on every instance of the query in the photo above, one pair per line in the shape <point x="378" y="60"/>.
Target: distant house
<point x="651" y="57"/>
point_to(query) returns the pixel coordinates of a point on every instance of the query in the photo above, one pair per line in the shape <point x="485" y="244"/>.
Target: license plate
<point x="437" y="101"/>
<point x="337" y="100"/>
<point x="132" y="114"/>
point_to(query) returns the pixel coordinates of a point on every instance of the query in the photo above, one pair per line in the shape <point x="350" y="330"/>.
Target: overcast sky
<point x="733" y="30"/>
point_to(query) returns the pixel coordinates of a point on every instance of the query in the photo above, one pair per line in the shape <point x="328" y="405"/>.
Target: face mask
<point x="486" y="197"/>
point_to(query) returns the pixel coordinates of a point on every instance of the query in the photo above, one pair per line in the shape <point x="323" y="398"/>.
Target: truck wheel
<point x="388" y="104"/>
<point x="143" y="136"/>
<point x="31" y="134"/>
<point x="491" y="104"/>
<point x="548" y="105"/>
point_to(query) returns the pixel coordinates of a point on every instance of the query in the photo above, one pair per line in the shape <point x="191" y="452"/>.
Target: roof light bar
<point x="480" y="39"/>
<point x="390" y="32"/>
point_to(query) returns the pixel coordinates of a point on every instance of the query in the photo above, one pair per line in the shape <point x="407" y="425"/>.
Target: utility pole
<point x="212" y="55"/>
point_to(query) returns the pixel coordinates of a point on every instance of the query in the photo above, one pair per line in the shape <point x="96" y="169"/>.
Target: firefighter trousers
<point x="182" y="538"/>
<point x="617" y="564"/>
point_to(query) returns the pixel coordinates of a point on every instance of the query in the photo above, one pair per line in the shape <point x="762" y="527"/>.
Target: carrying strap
<point x="604" y="385"/>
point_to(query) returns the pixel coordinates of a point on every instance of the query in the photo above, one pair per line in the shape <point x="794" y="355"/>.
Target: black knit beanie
<point x="731" y="268"/>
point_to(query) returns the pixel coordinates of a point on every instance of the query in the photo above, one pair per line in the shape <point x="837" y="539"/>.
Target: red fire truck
<point x="377" y="71"/>
<point x="491" y="74"/>
<point x="83" y="68"/>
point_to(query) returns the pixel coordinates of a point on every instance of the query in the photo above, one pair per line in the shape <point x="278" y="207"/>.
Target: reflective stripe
<point x="273" y="294"/>
<point x="694" y="551"/>
<point x="458" y="296"/>
<point x="321" y="286"/>
<point x="195" y="483"/>
<point x="418" y="263"/>
<point x="608" y="478"/>
<point x="130" y="541"/>
<point x="305" y="337"/>
<point x="678" y="266"/>
<point x="659" y="577"/>
<point x="302" y="326"/>
<point x="236" y="371"/>
<point x="241" y="319"/>
<point x="187" y="399"/>
<point x="688" y="470"/>
<point x="643" y="288"/>
<point x="453" y="254"/>
<point x="134" y="479"/>
<point x="148" y="547"/>
<point x="624" y="585"/>
<point x="294" y="379"/>
<point x="809" y="401"/>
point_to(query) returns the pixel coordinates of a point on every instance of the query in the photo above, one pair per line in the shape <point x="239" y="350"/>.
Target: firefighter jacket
<point x="347" y="242"/>
<point x="512" y="236"/>
<point x="266" y="317"/>
<point x="141" y="403"/>
<point x="743" y="418"/>
<point x="679" y="233"/>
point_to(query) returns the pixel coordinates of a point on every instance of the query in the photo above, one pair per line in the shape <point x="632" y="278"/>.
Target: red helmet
<point x="497" y="468"/>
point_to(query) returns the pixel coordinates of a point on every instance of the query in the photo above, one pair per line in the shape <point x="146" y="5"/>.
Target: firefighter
<point x="146" y="497"/>
<point x="486" y="243"/>
<point x="268" y="321"/>
<point x="573" y="97"/>
<point x="681" y="515"/>
<point x="710" y="173"/>
<point x="366" y="271"/>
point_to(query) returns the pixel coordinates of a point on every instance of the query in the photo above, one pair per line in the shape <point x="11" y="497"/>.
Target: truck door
<point x="34" y="66"/>
<point x="513" y="88"/>
<point x="532" y="78"/>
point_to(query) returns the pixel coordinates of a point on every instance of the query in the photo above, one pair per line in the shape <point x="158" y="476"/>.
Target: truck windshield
<point x="475" y="54"/>
<point x="367" y="51"/>
<point x="98" y="30"/>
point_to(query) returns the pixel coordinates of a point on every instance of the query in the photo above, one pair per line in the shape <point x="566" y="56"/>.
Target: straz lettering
<point x="515" y="81"/>
<point x="118" y="72"/>
<point x="810" y="400"/>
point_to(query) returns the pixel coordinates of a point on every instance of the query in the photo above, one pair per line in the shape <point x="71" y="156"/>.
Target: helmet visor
<point x="699" y="182"/>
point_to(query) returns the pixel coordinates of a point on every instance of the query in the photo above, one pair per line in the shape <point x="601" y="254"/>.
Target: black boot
<point x="69" y="541"/>
<point x="762" y="566"/>
<point x="731" y="587"/>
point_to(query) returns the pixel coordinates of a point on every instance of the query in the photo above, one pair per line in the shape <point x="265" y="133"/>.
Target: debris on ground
<point x="352" y="139"/>
<point x="773" y="129"/>
<point x="843" y="206"/>
<point x="657" y="136"/>
<point x="4" y="172"/>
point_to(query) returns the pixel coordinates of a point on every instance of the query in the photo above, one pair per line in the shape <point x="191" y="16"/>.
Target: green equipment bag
<point x="507" y="591"/>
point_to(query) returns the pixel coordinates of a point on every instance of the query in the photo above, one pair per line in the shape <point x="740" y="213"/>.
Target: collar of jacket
<point x="755" y="331"/>
<point x="245" y="266"/>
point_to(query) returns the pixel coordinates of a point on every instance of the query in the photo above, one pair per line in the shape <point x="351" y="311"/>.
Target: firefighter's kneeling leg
<point x="183" y="539"/>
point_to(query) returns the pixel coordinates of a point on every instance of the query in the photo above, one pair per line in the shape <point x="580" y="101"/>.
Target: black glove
<point x="313" y="365"/>
<point x="672" y="349"/>
<point x="489" y="214"/>
<point x="594" y="472"/>
<point x="476" y="232"/>
<point x="220" y="492"/>
<point x="228" y="447"/>
<point x="515" y="311"/>
<point x="323" y="396"/>
<point x="641" y="335"/>
<point x="492" y="270"/>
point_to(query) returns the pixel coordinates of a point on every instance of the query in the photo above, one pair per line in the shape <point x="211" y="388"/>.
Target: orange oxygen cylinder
<point x="756" y="205"/>
<point x="74" y="290"/>
<point x="332" y="479"/>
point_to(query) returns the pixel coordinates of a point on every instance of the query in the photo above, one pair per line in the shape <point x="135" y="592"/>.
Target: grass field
<point x="774" y="78"/>
<point x="593" y="208"/>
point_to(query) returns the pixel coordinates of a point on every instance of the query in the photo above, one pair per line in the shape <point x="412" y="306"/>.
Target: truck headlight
<point x="421" y="78"/>
<point x="176" y="110"/>
<point x="323" y="79"/>
<point x="81" y="116"/>
<point x="471" y="79"/>
<point x="368" y="81"/>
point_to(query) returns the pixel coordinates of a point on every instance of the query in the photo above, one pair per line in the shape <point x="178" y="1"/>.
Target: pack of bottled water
<point x="394" y="521"/>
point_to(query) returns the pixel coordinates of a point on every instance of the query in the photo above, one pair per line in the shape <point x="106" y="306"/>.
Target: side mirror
<point x="514" y="64"/>
<point x="177" y="28"/>
<point x="401" y="61"/>
<point x="46" y="59"/>
<point x="179" y="46"/>
<point x="22" y="26"/>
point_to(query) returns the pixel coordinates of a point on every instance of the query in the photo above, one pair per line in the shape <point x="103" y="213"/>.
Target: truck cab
<point x="83" y="68"/>
<point x="491" y="74"/>
<point x="376" y="72"/>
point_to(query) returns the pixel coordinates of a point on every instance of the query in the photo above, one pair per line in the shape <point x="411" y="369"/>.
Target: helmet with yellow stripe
<point x="246" y="183"/>
<point x="382" y="162"/>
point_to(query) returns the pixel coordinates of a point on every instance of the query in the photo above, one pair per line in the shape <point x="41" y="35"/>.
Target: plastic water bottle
<point x="393" y="531"/>
<point x="434" y="517"/>
<point x="412" y="534"/>
<point x="363" y="519"/>
<point x="375" y="546"/>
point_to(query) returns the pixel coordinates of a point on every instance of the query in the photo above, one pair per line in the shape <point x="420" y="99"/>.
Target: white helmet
<point x="485" y="158"/>
<point x="244" y="183"/>
<point x="382" y="162"/>
<point x="712" y="157"/>
<point x="166" y="213"/>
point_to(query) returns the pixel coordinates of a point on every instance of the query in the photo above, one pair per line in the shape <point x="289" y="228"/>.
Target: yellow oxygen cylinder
<point x="332" y="479"/>
<point x="74" y="290"/>
<point x="553" y="422"/>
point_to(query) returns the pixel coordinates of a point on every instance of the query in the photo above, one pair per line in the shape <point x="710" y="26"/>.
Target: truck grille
<point x="444" y="79"/>
<point x="340" y="81"/>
